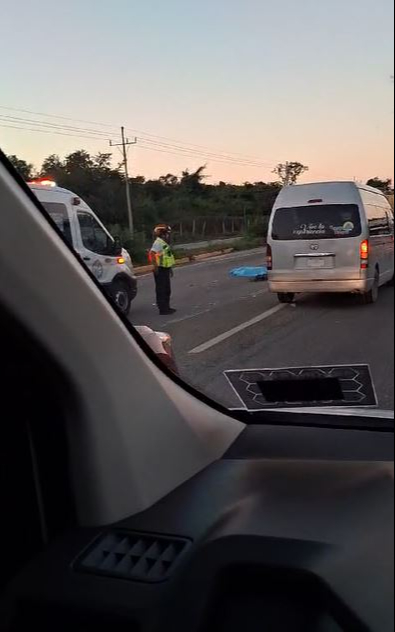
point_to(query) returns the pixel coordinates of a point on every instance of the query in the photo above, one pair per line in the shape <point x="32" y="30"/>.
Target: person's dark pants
<point x="163" y="288"/>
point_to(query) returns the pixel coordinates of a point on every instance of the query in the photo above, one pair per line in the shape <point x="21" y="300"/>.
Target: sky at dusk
<point x="253" y="81"/>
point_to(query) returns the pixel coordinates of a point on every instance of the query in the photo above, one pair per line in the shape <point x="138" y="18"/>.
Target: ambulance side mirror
<point x="117" y="247"/>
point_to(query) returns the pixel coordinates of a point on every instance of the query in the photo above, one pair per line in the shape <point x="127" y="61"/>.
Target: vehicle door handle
<point x="87" y="258"/>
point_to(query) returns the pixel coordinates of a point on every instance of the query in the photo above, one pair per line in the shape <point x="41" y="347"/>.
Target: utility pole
<point x="125" y="144"/>
<point x="287" y="174"/>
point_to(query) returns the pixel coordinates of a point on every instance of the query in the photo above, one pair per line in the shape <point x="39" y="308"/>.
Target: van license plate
<point x="316" y="262"/>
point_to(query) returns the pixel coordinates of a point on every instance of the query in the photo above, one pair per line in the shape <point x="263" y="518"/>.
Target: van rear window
<point x="330" y="221"/>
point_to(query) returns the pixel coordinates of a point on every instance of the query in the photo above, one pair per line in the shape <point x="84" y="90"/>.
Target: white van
<point x="108" y="261"/>
<point x="330" y="237"/>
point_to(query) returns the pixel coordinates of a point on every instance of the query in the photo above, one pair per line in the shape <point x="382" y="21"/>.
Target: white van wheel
<point x="121" y="295"/>
<point x="286" y="297"/>
<point x="371" y="297"/>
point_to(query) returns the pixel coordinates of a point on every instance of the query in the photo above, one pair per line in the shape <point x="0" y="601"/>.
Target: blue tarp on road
<point x="250" y="273"/>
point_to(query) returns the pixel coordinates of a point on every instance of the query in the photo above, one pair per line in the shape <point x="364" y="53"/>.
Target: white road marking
<point x="188" y="317"/>
<point x="236" y="330"/>
<point x="255" y="294"/>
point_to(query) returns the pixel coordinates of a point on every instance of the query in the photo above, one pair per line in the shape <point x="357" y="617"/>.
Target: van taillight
<point x="365" y="251"/>
<point x="269" y="257"/>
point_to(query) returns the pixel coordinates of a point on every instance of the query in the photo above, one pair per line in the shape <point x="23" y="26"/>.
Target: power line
<point x="149" y="147"/>
<point x="209" y="154"/>
<point x="68" y="128"/>
<point x="90" y="134"/>
<point x="188" y="155"/>
<point x="192" y="145"/>
<point x="43" y="131"/>
<point x="188" y="150"/>
<point x="100" y="133"/>
<point x="34" y="122"/>
<point x="134" y="131"/>
<point x="56" y="116"/>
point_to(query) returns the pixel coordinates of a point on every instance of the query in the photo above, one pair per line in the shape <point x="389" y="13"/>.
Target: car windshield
<point x="203" y="138"/>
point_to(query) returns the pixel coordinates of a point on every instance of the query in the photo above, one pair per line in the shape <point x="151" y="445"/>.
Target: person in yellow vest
<point x="162" y="258"/>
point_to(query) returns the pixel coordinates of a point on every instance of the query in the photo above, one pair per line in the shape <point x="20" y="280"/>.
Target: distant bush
<point x="137" y="246"/>
<point x="248" y="242"/>
<point x="258" y="227"/>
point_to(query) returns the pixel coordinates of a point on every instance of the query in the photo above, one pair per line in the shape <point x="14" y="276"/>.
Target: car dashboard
<point x="296" y="539"/>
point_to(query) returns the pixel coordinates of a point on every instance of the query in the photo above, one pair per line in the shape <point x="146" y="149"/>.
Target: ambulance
<point x="108" y="261"/>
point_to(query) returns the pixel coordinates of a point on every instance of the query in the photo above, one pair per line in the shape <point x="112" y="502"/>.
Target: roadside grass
<point x="138" y="246"/>
<point x="246" y="243"/>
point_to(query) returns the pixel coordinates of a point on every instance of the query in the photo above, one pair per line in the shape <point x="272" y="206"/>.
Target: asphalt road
<point x="213" y="332"/>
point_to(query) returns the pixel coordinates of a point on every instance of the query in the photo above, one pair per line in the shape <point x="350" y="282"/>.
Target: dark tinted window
<point x="378" y="220"/>
<point x="317" y="222"/>
<point x="60" y="216"/>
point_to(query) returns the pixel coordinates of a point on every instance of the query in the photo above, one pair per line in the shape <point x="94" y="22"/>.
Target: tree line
<point x="170" y="198"/>
<point x="188" y="200"/>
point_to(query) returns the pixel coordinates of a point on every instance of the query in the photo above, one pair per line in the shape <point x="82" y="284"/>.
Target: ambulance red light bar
<point x="43" y="182"/>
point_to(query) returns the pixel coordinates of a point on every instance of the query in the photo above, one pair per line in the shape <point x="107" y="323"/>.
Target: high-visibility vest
<point x="166" y="258"/>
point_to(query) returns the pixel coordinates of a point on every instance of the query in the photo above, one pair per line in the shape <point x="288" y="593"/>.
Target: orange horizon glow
<point x="260" y="81"/>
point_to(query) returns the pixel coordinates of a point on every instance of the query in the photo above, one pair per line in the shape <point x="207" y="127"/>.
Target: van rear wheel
<point x="371" y="297"/>
<point x="286" y="297"/>
<point x="121" y="294"/>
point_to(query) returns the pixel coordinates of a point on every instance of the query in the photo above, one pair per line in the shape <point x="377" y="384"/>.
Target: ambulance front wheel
<point x="122" y="295"/>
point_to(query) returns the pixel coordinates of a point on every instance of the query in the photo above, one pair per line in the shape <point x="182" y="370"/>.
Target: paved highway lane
<point x="224" y="323"/>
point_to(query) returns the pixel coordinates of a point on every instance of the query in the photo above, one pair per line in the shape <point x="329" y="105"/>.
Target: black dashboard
<point x="292" y="530"/>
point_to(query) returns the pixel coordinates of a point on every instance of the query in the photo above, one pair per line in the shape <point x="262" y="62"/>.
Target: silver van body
<point x="330" y="237"/>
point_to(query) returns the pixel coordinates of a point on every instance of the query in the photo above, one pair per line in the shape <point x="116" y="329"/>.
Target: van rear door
<point x="318" y="242"/>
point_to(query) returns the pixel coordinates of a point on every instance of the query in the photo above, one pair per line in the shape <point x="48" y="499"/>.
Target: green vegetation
<point x="385" y="185"/>
<point x="196" y="210"/>
<point x="290" y="172"/>
<point x="25" y="169"/>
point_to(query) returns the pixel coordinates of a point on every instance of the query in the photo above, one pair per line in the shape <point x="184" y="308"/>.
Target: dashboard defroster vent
<point x="134" y="556"/>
